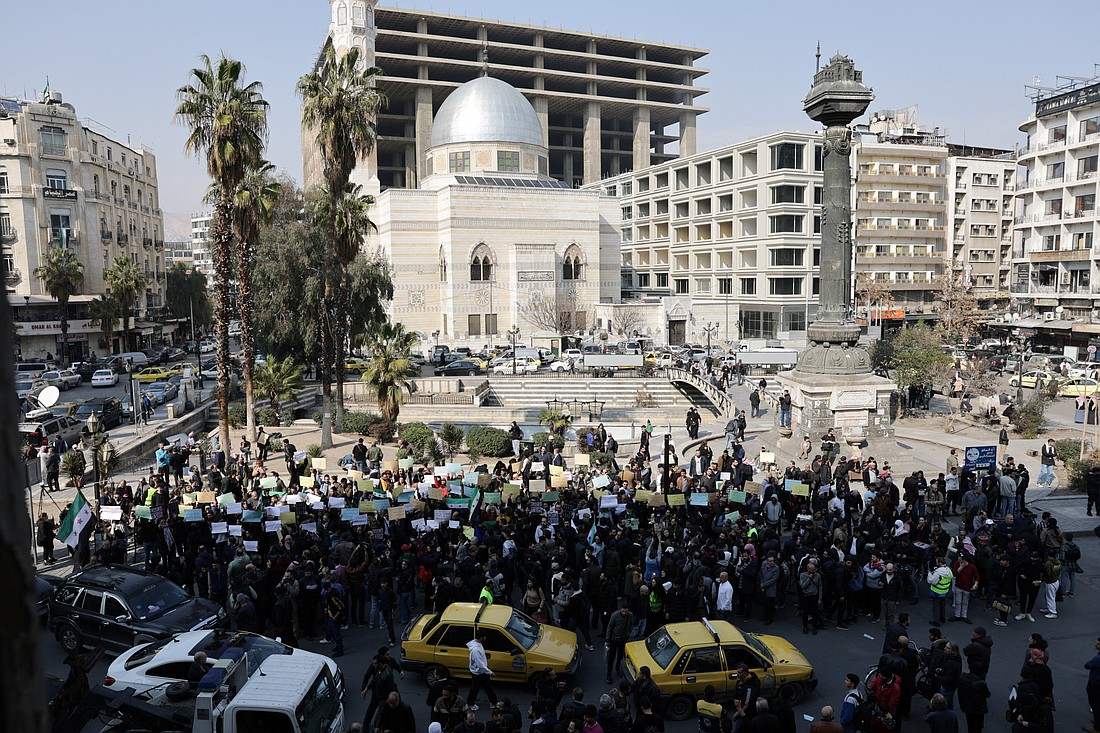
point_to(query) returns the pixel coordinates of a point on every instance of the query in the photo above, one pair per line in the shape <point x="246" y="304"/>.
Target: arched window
<point x="481" y="265"/>
<point x="443" y="266"/>
<point x="341" y="14"/>
<point x="572" y="264"/>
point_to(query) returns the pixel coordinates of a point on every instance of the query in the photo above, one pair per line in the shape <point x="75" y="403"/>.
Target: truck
<point x="612" y="362"/>
<point x="283" y="694"/>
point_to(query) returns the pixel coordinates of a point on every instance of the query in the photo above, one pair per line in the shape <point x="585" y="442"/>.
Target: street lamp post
<point x="92" y="442"/>
<point x="513" y="335"/>
<point x="710" y="330"/>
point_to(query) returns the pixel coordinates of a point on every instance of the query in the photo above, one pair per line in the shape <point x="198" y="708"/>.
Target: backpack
<point x="1073" y="552"/>
<point x="862" y="718"/>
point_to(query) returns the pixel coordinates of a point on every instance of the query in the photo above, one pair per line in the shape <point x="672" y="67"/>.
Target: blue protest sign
<point x="982" y="456"/>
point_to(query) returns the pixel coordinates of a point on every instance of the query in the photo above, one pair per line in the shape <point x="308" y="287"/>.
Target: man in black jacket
<point x="618" y="633"/>
<point x="396" y="716"/>
<point x="978" y="652"/>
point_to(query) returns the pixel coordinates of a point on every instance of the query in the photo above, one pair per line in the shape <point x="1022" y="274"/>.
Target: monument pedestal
<point x="857" y="406"/>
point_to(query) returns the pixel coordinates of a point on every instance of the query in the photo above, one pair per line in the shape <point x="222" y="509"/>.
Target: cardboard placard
<point x="550" y="496"/>
<point x="391" y="466"/>
<point x="753" y="487"/>
<point x="538" y="466"/>
<point x="469" y="532"/>
<point x="306" y="482"/>
<point x="733" y="516"/>
<point x="396" y="512"/>
<point x="483" y="480"/>
<point x="767" y="457"/>
<point x="293" y="498"/>
<point x="801" y="489"/>
<point x="354" y="475"/>
<point x="336" y="502"/>
<point x="512" y="490"/>
<point x="582" y="459"/>
<point x="226" y="499"/>
<point x="676" y="500"/>
<point x="442" y="515"/>
<point x="143" y="512"/>
<point x="641" y="495"/>
<point x="454" y="468"/>
<point x="235" y="508"/>
<point x="556" y="470"/>
<point x="310" y="527"/>
<point x="272" y="526"/>
<point x="609" y="502"/>
<point x="601" y="481"/>
<point x="110" y="513"/>
<point x="724" y="476"/>
<point x="320" y="463"/>
<point x="381" y="505"/>
<point x="366" y="485"/>
<point x="360" y="521"/>
<point x="435" y="493"/>
<point x="559" y="482"/>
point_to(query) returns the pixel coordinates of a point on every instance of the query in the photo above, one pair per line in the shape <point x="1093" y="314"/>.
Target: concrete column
<point x="423" y="133"/>
<point x="593" y="138"/>
<point x="642" y="145"/>
<point x="687" y="134"/>
<point x="542" y="112"/>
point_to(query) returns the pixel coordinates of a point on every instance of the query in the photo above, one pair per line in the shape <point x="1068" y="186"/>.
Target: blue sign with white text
<point x="982" y="456"/>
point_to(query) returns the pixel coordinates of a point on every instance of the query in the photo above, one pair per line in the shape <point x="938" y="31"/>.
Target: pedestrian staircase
<point x="617" y="393"/>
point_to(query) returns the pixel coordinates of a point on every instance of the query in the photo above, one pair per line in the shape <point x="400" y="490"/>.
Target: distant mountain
<point x="177" y="227"/>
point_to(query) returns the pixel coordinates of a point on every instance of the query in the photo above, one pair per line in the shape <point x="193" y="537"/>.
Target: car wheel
<point x="792" y="693"/>
<point x="1014" y="383"/>
<point x="434" y="673"/>
<point x="472" y="373"/>
<point x="680" y="707"/>
<point x="69" y="638"/>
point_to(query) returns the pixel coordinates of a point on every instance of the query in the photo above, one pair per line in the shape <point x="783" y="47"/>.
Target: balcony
<point x="145" y="209"/>
<point x="150" y="275"/>
<point x="146" y="242"/>
<point x="903" y="177"/>
<point x="13" y="277"/>
<point x="106" y="236"/>
<point x="100" y="196"/>
<point x="9" y="235"/>
<point x="158" y="244"/>
<point x="1062" y="255"/>
<point x="123" y="239"/>
<point x="160" y="276"/>
<point x="63" y="236"/>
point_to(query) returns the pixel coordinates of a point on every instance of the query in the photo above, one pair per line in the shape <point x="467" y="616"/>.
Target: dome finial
<point x="485" y="57"/>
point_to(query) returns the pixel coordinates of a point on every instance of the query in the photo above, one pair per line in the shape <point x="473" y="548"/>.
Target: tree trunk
<point x="248" y="341"/>
<point x="341" y="339"/>
<point x="223" y="272"/>
<point x="22" y="700"/>
<point x="325" y="364"/>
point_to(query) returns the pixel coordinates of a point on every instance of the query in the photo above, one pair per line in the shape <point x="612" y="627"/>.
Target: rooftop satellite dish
<point x="48" y="396"/>
<point x="1060" y="310"/>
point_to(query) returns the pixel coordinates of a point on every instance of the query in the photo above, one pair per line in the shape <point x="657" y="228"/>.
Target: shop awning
<point x="1028" y="323"/>
<point x="1057" y="325"/>
<point x="1086" y="328"/>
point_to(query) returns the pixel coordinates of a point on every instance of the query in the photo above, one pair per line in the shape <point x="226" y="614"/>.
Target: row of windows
<point x="766" y="324"/>
<point x="481" y="265"/>
<point x="746" y="285"/>
<point x="507" y="161"/>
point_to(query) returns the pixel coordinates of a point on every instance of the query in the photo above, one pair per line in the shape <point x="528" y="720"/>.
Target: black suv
<point x="119" y="607"/>
<point x="107" y="409"/>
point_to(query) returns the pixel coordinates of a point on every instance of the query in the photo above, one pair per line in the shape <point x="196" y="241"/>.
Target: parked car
<point x="160" y="663"/>
<point x="63" y="379"/>
<point x="31" y="369"/>
<point x="24" y="387"/>
<point x="1031" y="377"/>
<point x="520" y="366"/>
<point x="566" y="365"/>
<point x="207" y="347"/>
<point x="108" y="410"/>
<point x="1083" y="368"/>
<point x="629" y="347"/>
<point x="43" y="590"/>
<point x="686" y="658"/>
<point x="153" y="374"/>
<point x="105" y="378"/>
<point x="165" y="391"/>
<point x="118" y="607"/>
<point x="518" y="649"/>
<point x="86" y="369"/>
<point x="64" y="409"/>
<point x="467" y="367"/>
<point x="1078" y="387"/>
<point x="41" y="429"/>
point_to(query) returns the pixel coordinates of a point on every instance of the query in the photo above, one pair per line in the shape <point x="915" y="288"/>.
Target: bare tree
<point x="871" y="293"/>
<point x="543" y="314"/>
<point x="22" y="695"/>
<point x="627" y="320"/>
<point x="957" y="306"/>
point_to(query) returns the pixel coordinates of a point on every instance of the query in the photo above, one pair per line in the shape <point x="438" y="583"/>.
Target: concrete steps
<point x="521" y="391"/>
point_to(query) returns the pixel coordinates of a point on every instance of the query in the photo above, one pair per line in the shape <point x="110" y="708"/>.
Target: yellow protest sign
<point x="306" y="482"/>
<point x="582" y="459"/>
<point x="320" y="463"/>
<point x="288" y="518"/>
<point x="556" y="470"/>
<point x="559" y="482"/>
<point x="801" y="489"/>
<point x="396" y="512"/>
<point x="676" y="500"/>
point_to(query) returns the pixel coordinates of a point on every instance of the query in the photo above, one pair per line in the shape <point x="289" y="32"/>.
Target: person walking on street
<point x="854" y="697"/>
<point x="618" y="633"/>
<point x="1092" y="491"/>
<point x="939" y="587"/>
<point x="785" y="409"/>
<point x="479" y="671"/>
<point x="335" y="613"/>
<point x="1092" y="688"/>
<point x="44" y="536"/>
<point x="941" y="718"/>
<point x="754" y="403"/>
<point x="1002" y="443"/>
<point x="973" y="693"/>
<point x="1047" y="455"/>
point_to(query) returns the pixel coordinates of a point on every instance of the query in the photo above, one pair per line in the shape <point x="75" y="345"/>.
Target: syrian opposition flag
<point x="78" y="522"/>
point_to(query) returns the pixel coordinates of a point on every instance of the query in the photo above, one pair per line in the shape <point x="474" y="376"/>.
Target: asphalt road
<point x="832" y="652"/>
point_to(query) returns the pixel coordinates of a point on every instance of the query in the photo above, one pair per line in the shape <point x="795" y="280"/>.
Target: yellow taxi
<point x="1078" y="387"/>
<point x="1032" y="377"/>
<point x="517" y="648"/>
<point x="684" y="658"/>
<point x="149" y="375"/>
<point x="355" y="365"/>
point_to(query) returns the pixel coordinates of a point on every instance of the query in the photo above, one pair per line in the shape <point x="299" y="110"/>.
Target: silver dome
<point x="486" y="110"/>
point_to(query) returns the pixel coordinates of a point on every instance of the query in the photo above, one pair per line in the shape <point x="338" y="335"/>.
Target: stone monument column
<point x="832" y="385"/>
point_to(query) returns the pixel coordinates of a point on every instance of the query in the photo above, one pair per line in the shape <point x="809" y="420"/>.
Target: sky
<point x="965" y="63"/>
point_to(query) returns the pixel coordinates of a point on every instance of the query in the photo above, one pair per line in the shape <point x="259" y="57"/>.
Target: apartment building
<point x="605" y="104"/>
<point x="982" y="202"/>
<point x="721" y="245"/>
<point x="179" y="253"/>
<point x="64" y="182"/>
<point x="901" y="206"/>
<point x="1054" y="264"/>
<point x="202" y="256"/>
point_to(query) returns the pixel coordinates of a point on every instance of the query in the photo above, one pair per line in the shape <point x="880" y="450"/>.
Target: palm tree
<point x="125" y="282"/>
<point x="555" y="421"/>
<point x="277" y="380"/>
<point x="390" y="369"/>
<point x="105" y="310"/>
<point x="62" y="274"/>
<point x="253" y="202"/>
<point x="340" y="103"/>
<point x="227" y="119"/>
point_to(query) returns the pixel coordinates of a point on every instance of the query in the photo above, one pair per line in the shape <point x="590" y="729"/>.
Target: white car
<point x="1077" y="369"/>
<point x="522" y="365"/>
<point x="566" y="365"/>
<point x="104" y="378"/>
<point x="62" y="379"/>
<point x="207" y="347"/>
<point x="162" y="663"/>
<point x="573" y="354"/>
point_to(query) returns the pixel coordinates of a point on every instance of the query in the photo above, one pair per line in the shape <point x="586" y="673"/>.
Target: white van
<point x="31" y="369"/>
<point x="137" y="358"/>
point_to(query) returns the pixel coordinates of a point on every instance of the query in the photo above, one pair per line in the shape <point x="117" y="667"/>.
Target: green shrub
<point x="486" y="441"/>
<point x="582" y="439"/>
<point x="602" y="460"/>
<point x="237" y="415"/>
<point x="1029" y="419"/>
<point x="267" y="417"/>
<point x="383" y="430"/>
<point x="1079" y="471"/>
<point x="402" y="453"/>
<point x="315" y="451"/>
<point x="452" y="437"/>
<point x="419" y="437"/>
<point x="1068" y="451"/>
<point x="543" y="439"/>
<point x="359" y="423"/>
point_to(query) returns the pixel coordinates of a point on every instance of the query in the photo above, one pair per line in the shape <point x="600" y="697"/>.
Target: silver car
<point x="63" y="379"/>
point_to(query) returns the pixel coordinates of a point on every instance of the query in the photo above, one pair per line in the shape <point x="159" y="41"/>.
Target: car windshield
<point x="23" y="385"/>
<point x="156" y="598"/>
<point x="661" y="647"/>
<point x="145" y="653"/>
<point x="257" y="647"/>
<point x="523" y="629"/>
<point x="759" y="647"/>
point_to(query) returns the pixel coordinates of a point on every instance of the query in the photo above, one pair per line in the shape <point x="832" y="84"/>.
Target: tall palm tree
<point x="253" y="203"/>
<point x="340" y="103"/>
<point x="63" y="275"/>
<point x="277" y="380"/>
<point x="105" y="310"/>
<point x="126" y="283"/>
<point x="390" y="368"/>
<point x="227" y="119"/>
